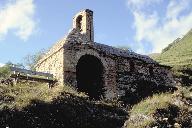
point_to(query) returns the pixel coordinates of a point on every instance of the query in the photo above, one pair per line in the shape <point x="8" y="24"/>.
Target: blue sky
<point x="147" y="26"/>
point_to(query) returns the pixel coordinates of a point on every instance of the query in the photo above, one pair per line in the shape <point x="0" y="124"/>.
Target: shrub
<point x="5" y="71"/>
<point x="141" y="114"/>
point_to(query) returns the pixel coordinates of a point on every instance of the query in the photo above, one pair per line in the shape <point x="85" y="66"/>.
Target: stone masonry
<point x="110" y="72"/>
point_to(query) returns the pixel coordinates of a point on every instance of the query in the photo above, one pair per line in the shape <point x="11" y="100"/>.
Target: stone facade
<point x="121" y="71"/>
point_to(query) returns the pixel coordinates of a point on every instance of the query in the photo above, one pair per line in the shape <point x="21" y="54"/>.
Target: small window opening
<point x="79" y="23"/>
<point x="132" y="66"/>
<point x="151" y="70"/>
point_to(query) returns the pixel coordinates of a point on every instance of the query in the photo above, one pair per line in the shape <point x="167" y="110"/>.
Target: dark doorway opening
<point x="89" y="71"/>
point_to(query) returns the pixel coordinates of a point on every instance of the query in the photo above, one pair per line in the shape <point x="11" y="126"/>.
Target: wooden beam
<point x="51" y="82"/>
<point x="16" y="70"/>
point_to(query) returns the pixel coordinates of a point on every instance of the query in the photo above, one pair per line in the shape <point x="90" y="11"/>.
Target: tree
<point x="126" y="48"/>
<point x="18" y="65"/>
<point x="5" y="70"/>
<point x="31" y="60"/>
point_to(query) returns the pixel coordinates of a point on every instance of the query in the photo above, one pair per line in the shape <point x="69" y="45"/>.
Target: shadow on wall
<point x="66" y="111"/>
<point x="144" y="89"/>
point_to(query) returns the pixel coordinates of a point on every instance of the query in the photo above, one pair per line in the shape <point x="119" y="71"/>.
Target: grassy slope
<point x="154" y="55"/>
<point x="20" y="95"/>
<point x="180" y="54"/>
<point x="31" y="105"/>
<point x="163" y="110"/>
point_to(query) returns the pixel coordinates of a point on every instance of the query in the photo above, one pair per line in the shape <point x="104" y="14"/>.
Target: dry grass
<point x="144" y="113"/>
<point x="21" y="95"/>
<point x="141" y="113"/>
<point x="35" y="105"/>
<point x="148" y="106"/>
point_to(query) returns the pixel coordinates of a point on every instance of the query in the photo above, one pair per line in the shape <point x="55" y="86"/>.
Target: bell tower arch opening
<point x="79" y="23"/>
<point x="83" y="21"/>
<point x="89" y="75"/>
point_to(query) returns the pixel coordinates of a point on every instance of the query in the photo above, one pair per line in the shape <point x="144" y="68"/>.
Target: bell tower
<point x="83" y="21"/>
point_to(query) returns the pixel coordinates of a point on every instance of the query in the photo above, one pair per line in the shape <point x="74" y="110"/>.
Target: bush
<point x="5" y="72"/>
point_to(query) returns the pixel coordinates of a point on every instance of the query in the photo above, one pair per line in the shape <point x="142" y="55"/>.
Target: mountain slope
<point x="179" y="53"/>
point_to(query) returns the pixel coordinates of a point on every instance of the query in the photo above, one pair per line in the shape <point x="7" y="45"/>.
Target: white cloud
<point x="161" y="30"/>
<point x="138" y="4"/>
<point x="175" y="7"/>
<point x="17" y="16"/>
<point x="143" y="23"/>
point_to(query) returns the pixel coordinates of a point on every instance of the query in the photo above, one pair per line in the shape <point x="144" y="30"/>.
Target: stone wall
<point x="72" y="54"/>
<point x="52" y="62"/>
<point x="145" y="77"/>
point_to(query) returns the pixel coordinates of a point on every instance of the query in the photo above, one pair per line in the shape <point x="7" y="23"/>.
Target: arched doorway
<point x="89" y="71"/>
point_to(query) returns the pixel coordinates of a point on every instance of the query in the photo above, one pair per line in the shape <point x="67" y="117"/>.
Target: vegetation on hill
<point x="5" y="70"/>
<point x="32" y="105"/>
<point x="178" y="53"/>
<point x="20" y="95"/>
<point x="169" y="110"/>
<point x="163" y="110"/>
<point x="154" y="55"/>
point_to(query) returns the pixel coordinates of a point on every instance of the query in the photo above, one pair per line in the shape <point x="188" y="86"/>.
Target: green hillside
<point x="178" y="53"/>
